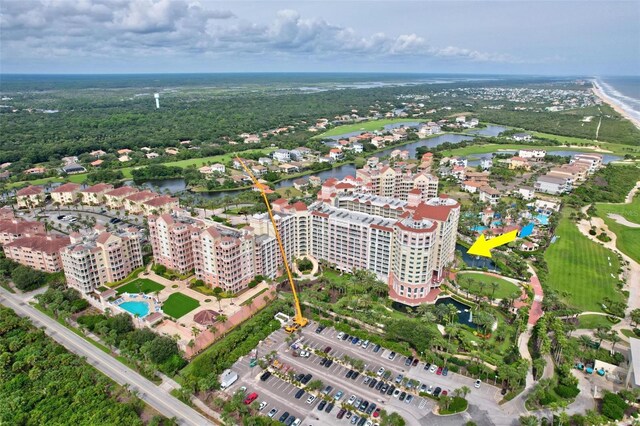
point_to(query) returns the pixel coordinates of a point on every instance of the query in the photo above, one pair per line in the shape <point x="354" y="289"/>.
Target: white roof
<point x="635" y="359"/>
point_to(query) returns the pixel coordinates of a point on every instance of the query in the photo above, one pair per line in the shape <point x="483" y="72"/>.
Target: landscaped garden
<point x="487" y="285"/>
<point x="583" y="272"/>
<point x="140" y="285"/>
<point x="177" y="305"/>
<point x="591" y="321"/>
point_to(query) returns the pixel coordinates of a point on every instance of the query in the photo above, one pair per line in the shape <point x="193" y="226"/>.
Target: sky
<point x="180" y="36"/>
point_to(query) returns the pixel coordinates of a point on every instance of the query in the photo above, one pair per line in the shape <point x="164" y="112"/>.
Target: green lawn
<point x="579" y="268"/>
<point x="178" y="305"/>
<point x="504" y="289"/>
<point x="141" y="285"/>
<point x="594" y="321"/>
<point x="486" y="148"/>
<point x="364" y="126"/>
<point x="628" y="239"/>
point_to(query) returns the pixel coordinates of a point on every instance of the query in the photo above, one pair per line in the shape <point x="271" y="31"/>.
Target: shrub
<point x="567" y="392"/>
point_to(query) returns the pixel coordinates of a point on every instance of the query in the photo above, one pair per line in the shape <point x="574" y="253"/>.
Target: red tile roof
<point x="67" y="187"/>
<point x="47" y="244"/>
<point x="30" y="190"/>
<point x="122" y="191"/>
<point x="142" y="196"/>
<point x="17" y="227"/>
<point x="99" y="187"/>
<point x="160" y="201"/>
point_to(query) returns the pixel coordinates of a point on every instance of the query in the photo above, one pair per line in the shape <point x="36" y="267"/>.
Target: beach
<point x="615" y="105"/>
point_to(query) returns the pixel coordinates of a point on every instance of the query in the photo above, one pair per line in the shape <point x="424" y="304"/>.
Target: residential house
<point x="265" y="161"/>
<point x="519" y="163"/>
<point x="282" y="155"/>
<point x="489" y="195"/>
<point x="532" y="154"/>
<point x="521" y="137"/>
<point x="526" y="192"/>
<point x="172" y="151"/>
<point x="301" y="184"/>
<point x="471" y="186"/>
<point x="552" y="184"/>
<point x="336" y="154"/>
<point x="97" y="163"/>
<point x="35" y="171"/>
<point x="97" y="153"/>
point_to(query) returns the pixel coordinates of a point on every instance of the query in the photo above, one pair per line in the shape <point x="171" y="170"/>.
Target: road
<point x="153" y="395"/>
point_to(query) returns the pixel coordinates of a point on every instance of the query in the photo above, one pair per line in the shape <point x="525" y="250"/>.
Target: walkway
<point x="536" y="307"/>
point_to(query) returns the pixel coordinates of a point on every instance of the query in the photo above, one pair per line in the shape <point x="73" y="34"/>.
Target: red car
<point x="250" y="398"/>
<point x="444" y="393"/>
<point x="327" y="349"/>
<point x="376" y="413"/>
<point x="439" y="372"/>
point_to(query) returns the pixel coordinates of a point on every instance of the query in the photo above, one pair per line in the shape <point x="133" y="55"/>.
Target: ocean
<point x="625" y="91"/>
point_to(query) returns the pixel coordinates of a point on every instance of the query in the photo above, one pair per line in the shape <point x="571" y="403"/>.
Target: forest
<point x="123" y="118"/>
<point x="42" y="383"/>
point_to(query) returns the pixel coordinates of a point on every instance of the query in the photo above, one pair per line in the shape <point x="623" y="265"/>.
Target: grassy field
<point x="363" y="126"/>
<point x="594" y="321"/>
<point x="293" y="192"/>
<point x="628" y="239"/>
<point x="471" y="282"/>
<point x="143" y="285"/>
<point x="178" y="305"/>
<point x="579" y="268"/>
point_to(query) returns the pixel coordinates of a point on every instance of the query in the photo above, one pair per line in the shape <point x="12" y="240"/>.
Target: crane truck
<point x="298" y="320"/>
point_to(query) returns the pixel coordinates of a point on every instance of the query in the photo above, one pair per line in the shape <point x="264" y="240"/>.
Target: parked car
<point x="365" y="344"/>
<point x="380" y="371"/>
<point x="444" y="393"/>
<point x="290" y="420"/>
<point x="409" y="399"/>
<point x="323" y="361"/>
<point x="366" y="380"/>
<point x="396" y="393"/>
<point x="362" y="421"/>
<point x="265" y="375"/>
<point x="423" y="388"/>
<point x="391" y="356"/>
<point x="262" y="405"/>
<point x="311" y="399"/>
<point x="403" y="395"/>
<point x="415" y="362"/>
<point x="433" y="368"/>
<point x="348" y="415"/>
<point x="384" y="388"/>
<point x="370" y="408"/>
<point x="299" y="394"/>
<point x="445" y="371"/>
<point x="329" y="363"/>
<point x="306" y="379"/>
<point x="299" y="377"/>
<point x="373" y="383"/>
<point x="354" y="419"/>
<point x="391" y="390"/>
<point x="304" y="354"/>
<point x="338" y="395"/>
<point x="408" y="361"/>
<point x="427" y="366"/>
<point x="340" y="335"/>
<point x="345" y="337"/>
<point x="355" y="341"/>
<point x="321" y="405"/>
<point x="439" y="371"/>
<point x="329" y="407"/>
<point x="376" y="413"/>
<point x="327" y="390"/>
<point x="320" y="329"/>
<point x="436" y="391"/>
<point x="297" y="422"/>
<point x="379" y="385"/>
<point x="355" y="375"/>
<point x="349" y="374"/>
<point x="341" y="413"/>
<point x="250" y="398"/>
<point x="376" y="348"/>
<point x="430" y="390"/>
<point x="363" y="405"/>
<point x="351" y="399"/>
<point x="477" y="384"/>
<point x="399" y="378"/>
<point x="327" y="349"/>
<point x="272" y="412"/>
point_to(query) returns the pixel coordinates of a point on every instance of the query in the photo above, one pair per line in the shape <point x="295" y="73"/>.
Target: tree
<point x="393" y="419"/>
<point x="445" y="402"/>
<point x="614" y="338"/>
<point x="529" y="421"/>
<point x="314" y="385"/>
<point x="160" y="349"/>
<point x="635" y="316"/>
<point x="27" y="279"/>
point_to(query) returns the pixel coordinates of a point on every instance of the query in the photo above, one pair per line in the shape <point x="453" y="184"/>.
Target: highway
<point x="153" y="395"/>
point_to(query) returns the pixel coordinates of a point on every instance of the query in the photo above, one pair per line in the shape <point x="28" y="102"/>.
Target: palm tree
<point x="614" y="339"/>
<point x="494" y="286"/>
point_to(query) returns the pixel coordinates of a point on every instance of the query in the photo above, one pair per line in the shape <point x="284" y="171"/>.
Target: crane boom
<point x="299" y="320"/>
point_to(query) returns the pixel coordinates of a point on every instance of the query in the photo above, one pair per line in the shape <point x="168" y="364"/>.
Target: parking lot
<point x="280" y="394"/>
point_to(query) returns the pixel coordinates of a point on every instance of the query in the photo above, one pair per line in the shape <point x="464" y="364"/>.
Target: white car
<point x="311" y="399"/>
<point x="477" y="384"/>
<point x="430" y="390"/>
<point x="433" y="368"/>
<point x="262" y="405"/>
<point x="380" y="371"/>
<point x="396" y="393"/>
<point x="339" y="336"/>
<point x="297" y="422"/>
<point x="304" y="354"/>
<point x="365" y="344"/>
<point x="272" y="412"/>
<point x="351" y="400"/>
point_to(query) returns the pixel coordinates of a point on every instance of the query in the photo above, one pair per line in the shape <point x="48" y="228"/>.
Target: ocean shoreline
<point x="597" y="90"/>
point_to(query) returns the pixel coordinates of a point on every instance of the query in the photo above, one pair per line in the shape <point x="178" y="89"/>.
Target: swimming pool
<point x="136" y="308"/>
<point x="542" y="219"/>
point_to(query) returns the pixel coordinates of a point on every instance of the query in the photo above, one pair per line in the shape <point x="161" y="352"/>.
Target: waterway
<point x="174" y="186"/>
<point x="476" y="261"/>
<point x="465" y="316"/>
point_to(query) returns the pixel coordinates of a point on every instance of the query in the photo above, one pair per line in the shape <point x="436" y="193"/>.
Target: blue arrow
<point x="526" y="231"/>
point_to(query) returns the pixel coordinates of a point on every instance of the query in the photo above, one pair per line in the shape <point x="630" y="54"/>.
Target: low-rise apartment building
<point x="30" y="197"/>
<point x="66" y="194"/>
<point x="95" y="194"/>
<point x="41" y="252"/>
<point x="115" y="198"/>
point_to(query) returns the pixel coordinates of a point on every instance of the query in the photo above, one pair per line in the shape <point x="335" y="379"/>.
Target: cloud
<point x="180" y="28"/>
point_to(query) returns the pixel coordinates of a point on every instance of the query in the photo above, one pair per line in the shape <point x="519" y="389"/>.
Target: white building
<point x="282" y="155"/>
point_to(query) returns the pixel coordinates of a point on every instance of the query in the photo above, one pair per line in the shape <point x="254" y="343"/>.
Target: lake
<point x="475" y="261"/>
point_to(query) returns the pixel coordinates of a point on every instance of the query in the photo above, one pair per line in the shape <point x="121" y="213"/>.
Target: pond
<point x="465" y="316"/>
<point x="475" y="261"/>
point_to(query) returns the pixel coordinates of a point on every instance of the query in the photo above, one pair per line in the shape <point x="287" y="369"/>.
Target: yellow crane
<point x="299" y="320"/>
